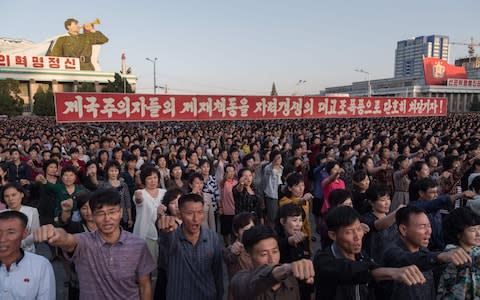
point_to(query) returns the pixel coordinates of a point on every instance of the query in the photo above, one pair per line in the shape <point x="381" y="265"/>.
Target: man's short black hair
<point x="341" y="216"/>
<point x="402" y="216"/>
<point x="256" y="234"/>
<point x="13" y="214"/>
<point x="424" y="184"/>
<point x="103" y="197"/>
<point x="189" y="198"/>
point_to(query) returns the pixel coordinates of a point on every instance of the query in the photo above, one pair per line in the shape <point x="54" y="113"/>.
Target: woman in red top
<point x="332" y="182"/>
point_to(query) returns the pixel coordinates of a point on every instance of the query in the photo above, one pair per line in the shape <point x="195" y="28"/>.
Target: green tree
<point x="274" y="90"/>
<point x="87" y="87"/>
<point x="11" y="103"/>
<point x="44" y="103"/>
<point x="117" y="85"/>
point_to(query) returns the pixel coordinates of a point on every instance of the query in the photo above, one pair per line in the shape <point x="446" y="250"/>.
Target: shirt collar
<point x="202" y="237"/>
<point x="22" y="255"/>
<point x="339" y="254"/>
<point x="121" y="240"/>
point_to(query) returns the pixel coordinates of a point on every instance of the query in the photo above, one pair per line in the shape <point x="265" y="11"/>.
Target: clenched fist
<point x="49" y="234"/>
<point x="167" y="224"/>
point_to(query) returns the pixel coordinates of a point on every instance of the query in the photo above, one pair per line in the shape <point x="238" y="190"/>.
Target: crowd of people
<point x="290" y="209"/>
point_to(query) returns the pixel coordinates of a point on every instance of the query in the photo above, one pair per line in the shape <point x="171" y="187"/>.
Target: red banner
<point x="102" y="107"/>
<point x="438" y="71"/>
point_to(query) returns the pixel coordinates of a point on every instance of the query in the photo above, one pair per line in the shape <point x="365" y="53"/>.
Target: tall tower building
<point x="409" y="53"/>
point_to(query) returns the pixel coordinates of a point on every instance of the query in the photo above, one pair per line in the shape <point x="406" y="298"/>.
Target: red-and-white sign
<point x="469" y="83"/>
<point x="39" y="62"/>
<point x="100" y="107"/>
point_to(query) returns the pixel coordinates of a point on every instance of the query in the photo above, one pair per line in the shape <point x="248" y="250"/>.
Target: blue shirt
<point x="193" y="271"/>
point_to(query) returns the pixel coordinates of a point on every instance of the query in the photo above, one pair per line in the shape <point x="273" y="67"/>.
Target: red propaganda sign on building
<point x="95" y="107"/>
<point x="438" y="71"/>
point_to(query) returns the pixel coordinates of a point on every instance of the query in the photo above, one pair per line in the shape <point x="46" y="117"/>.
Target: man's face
<point x="418" y="230"/>
<point x="73" y="28"/>
<point x="429" y="195"/>
<point x="192" y="216"/>
<point x="107" y="218"/>
<point x="11" y="235"/>
<point x="349" y="238"/>
<point x="265" y="252"/>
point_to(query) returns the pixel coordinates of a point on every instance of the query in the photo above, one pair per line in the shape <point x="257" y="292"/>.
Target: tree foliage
<point x="117" y="85"/>
<point x="44" y="103"/>
<point x="87" y="87"/>
<point x="11" y="103"/>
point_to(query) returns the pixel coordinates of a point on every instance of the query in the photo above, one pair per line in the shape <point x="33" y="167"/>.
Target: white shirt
<point x="32" y="225"/>
<point x="31" y="278"/>
<point x="147" y="215"/>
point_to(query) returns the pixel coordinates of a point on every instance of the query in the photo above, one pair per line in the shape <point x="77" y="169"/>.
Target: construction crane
<point x="471" y="46"/>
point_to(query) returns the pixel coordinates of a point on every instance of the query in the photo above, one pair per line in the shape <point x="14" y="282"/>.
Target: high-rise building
<point x="409" y="54"/>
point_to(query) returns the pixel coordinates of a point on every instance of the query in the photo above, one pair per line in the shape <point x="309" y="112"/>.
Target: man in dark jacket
<point x="342" y="271"/>
<point x="415" y="233"/>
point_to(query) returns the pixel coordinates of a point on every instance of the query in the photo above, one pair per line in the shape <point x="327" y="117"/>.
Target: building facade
<point x="409" y="54"/>
<point x="58" y="81"/>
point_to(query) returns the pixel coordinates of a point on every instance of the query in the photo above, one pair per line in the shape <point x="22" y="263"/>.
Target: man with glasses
<point x="111" y="263"/>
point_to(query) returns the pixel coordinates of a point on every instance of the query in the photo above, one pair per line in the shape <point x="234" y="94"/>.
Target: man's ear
<point x="25" y="234"/>
<point x="402" y="228"/>
<point x="332" y="235"/>
<point x="282" y="221"/>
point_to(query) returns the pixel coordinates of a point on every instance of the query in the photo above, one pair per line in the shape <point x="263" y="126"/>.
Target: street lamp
<point x="368" y="79"/>
<point x="154" y="61"/>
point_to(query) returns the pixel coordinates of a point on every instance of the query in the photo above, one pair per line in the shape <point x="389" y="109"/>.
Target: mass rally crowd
<point x="385" y="208"/>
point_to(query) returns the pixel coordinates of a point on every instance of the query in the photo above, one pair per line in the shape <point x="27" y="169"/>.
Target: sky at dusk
<point x="241" y="47"/>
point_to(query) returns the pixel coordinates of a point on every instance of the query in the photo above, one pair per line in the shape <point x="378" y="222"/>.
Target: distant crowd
<point x="291" y="209"/>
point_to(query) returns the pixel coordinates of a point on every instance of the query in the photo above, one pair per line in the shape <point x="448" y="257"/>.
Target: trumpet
<point x="94" y="22"/>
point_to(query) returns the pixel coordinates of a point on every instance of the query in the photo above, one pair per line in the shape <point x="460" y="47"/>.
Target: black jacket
<point x="337" y="277"/>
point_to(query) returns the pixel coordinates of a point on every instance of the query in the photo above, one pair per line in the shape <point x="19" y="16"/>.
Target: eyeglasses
<point x="103" y="214"/>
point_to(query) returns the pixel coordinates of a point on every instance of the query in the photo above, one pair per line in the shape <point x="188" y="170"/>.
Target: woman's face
<point x="173" y="207"/>
<point x="470" y="236"/>
<point x="297" y="189"/>
<point x="86" y="213"/>
<point x="424" y="171"/>
<point x="230" y="173"/>
<point x="13" y="198"/>
<point x="196" y="185"/>
<point x="292" y="225"/>
<point x="369" y="164"/>
<point x="162" y="162"/>
<point x="151" y="181"/>
<point x="382" y="204"/>
<point x="52" y="169"/>
<point x="246" y="178"/>
<point x="205" y="169"/>
<point x="113" y="173"/>
<point x="243" y="229"/>
<point x="104" y="157"/>
<point x="69" y="178"/>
